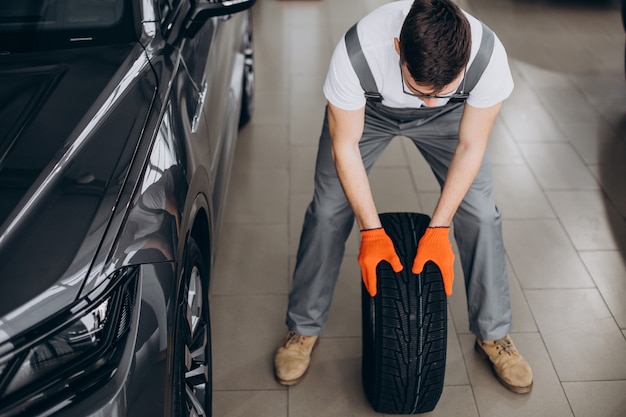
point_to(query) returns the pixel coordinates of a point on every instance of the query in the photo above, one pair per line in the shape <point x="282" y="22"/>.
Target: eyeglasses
<point x="456" y="95"/>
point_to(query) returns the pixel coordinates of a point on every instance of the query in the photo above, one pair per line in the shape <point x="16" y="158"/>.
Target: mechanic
<point x="433" y="73"/>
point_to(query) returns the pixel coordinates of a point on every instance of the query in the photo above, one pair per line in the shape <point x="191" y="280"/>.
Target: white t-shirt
<point x="376" y="33"/>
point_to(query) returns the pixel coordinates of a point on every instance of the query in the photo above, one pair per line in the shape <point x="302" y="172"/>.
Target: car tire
<point x="192" y="376"/>
<point x="404" y="327"/>
<point x="247" y="99"/>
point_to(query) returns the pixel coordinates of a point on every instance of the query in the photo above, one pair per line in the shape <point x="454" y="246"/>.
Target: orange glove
<point x="376" y="246"/>
<point x="435" y="246"/>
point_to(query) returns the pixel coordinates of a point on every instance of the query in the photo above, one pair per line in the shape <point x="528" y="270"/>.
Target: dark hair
<point x="435" y="42"/>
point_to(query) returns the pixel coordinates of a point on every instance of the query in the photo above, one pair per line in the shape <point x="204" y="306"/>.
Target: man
<point x="406" y="69"/>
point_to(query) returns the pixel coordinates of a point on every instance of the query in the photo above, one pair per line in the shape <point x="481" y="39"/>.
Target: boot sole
<point x="291" y="381"/>
<point x="512" y="388"/>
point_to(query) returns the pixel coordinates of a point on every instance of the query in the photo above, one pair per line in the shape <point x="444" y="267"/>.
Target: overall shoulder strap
<point x="481" y="60"/>
<point x="359" y="63"/>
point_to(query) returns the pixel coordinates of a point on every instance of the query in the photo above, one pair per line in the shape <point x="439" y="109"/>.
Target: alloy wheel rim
<point x="195" y="361"/>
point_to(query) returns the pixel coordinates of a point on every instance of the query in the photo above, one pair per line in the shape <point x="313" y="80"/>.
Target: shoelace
<point x="504" y="345"/>
<point x="294" y="339"/>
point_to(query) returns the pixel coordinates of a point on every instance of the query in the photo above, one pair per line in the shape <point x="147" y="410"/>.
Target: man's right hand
<point x="376" y="246"/>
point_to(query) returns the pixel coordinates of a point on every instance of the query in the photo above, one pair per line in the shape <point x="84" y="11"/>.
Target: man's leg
<point x="477" y="229"/>
<point x="478" y="232"/>
<point x="327" y="224"/>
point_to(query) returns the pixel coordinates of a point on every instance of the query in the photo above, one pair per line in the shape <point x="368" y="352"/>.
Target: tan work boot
<point x="510" y="368"/>
<point x="293" y="357"/>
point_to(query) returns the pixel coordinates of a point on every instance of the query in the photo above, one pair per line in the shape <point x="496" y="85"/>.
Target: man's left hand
<point x="435" y="246"/>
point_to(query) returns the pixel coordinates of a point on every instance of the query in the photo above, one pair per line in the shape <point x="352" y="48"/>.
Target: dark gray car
<point x="118" y="122"/>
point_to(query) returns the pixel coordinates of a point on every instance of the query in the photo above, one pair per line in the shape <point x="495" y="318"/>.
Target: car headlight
<point x="71" y="351"/>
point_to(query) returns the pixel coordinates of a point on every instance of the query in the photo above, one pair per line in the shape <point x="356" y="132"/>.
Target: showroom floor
<point x="559" y="157"/>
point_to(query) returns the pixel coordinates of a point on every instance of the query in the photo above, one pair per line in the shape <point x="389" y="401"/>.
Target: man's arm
<point x="474" y="131"/>
<point x="346" y="129"/>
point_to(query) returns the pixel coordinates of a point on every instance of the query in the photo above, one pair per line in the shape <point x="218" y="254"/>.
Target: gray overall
<point x="329" y="217"/>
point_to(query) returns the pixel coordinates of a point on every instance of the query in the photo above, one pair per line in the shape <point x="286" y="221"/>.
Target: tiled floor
<point x="559" y="156"/>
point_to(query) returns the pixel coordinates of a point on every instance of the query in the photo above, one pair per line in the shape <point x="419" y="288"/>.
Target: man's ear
<point x="396" y="44"/>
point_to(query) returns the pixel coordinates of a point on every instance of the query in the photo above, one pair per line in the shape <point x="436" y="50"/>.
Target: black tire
<point x="247" y="99"/>
<point x="404" y="327"/>
<point x="192" y="376"/>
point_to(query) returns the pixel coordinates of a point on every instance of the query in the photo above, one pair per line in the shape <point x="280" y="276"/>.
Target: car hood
<point x="70" y="121"/>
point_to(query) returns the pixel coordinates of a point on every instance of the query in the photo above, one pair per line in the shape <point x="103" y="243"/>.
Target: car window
<point x="50" y="24"/>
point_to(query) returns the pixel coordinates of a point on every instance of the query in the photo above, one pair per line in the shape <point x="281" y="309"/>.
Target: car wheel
<point x="247" y="100"/>
<point x="404" y="327"/>
<point x="192" y="375"/>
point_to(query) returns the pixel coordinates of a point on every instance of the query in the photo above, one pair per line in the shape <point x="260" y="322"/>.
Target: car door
<point x="224" y="70"/>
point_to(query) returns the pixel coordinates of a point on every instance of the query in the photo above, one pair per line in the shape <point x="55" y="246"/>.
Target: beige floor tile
<point x="584" y="341"/>
<point x="457" y="401"/>
<point x="590" y="220"/>
<point x="345" y="312"/>
<point x="523" y="320"/>
<point x="529" y="122"/>
<point x="523" y="96"/>
<point x="547" y="397"/>
<point x="333" y="384"/>
<point x="423" y="177"/>
<point x="502" y="147"/>
<point x="558" y="167"/>
<point x="535" y="77"/>
<point x="456" y="373"/>
<point x="273" y="110"/>
<point x="250" y="403"/>
<point x="309" y="56"/>
<point x="596" y="142"/>
<point x="246" y="330"/>
<point x="613" y="181"/>
<point x="577" y="109"/>
<point x="429" y="199"/>
<point x="303" y="17"/>
<point x="518" y="194"/>
<point x="258" y="196"/>
<point x="394" y="155"/>
<point x="542" y="255"/>
<point x="393" y="190"/>
<point x="305" y="123"/>
<point x="302" y="169"/>
<point x="601" y="398"/>
<point x="608" y="269"/>
<point x="343" y="14"/>
<point x="262" y="147"/>
<point x="307" y="87"/>
<point x="252" y="259"/>
<point x="270" y="69"/>
<point x="271" y="78"/>
<point x="457" y="302"/>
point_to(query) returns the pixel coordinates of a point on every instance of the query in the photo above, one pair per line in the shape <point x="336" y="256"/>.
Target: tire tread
<point x="405" y="327"/>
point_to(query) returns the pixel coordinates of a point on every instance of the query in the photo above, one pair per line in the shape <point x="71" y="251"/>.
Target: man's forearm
<point x="346" y="129"/>
<point x="461" y="173"/>
<point x="474" y="131"/>
<point x="356" y="185"/>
